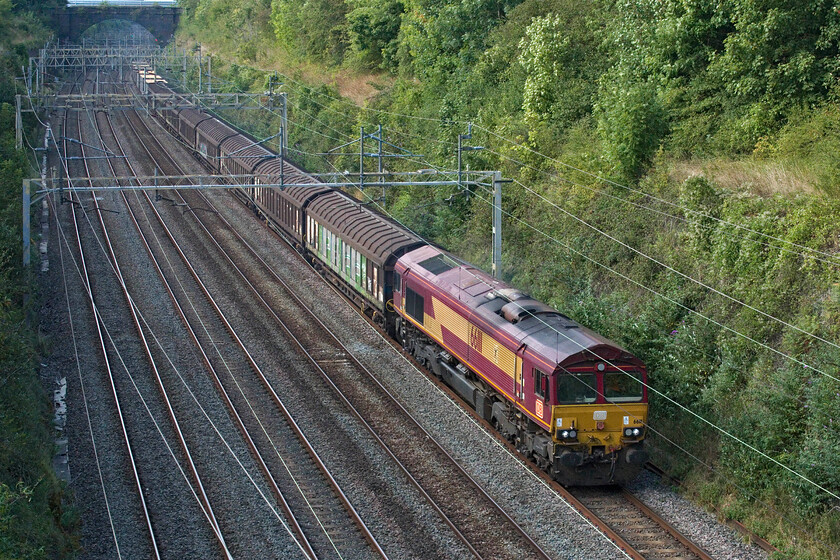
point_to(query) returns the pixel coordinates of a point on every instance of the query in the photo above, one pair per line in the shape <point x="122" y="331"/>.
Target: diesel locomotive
<point x="569" y="399"/>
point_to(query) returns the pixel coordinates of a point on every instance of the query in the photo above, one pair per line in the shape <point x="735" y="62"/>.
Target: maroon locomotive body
<point x="569" y="398"/>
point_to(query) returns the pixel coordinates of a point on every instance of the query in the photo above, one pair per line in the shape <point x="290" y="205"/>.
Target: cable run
<point x="553" y="175"/>
<point x="663" y="395"/>
<point x="679" y="273"/>
<point x="658" y="199"/>
<point x="686" y="409"/>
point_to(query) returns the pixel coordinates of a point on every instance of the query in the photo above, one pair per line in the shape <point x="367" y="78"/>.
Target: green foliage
<point x="440" y="37"/>
<point x="810" y="139"/>
<point x="31" y="498"/>
<point x="631" y="119"/>
<point x="560" y="65"/>
<point x="373" y="30"/>
<point x="312" y="28"/>
<point x="627" y="89"/>
<point x="702" y="204"/>
<point x="819" y="459"/>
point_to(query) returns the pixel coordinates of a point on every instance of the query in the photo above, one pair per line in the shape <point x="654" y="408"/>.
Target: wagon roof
<point x="544" y="331"/>
<point x="245" y="150"/>
<point x="193" y="117"/>
<point x="216" y="130"/>
<point x="368" y="232"/>
<point x="291" y="174"/>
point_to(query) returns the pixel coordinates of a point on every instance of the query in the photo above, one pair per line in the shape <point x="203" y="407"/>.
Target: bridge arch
<point x="160" y="20"/>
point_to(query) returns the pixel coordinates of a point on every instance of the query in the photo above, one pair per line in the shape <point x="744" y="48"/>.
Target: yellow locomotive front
<point x="599" y="423"/>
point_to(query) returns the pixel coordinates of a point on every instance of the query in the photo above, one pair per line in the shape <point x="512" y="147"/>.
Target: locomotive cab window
<point x="576" y="388"/>
<point x="397" y="282"/>
<point x="414" y="304"/>
<point x="540" y="383"/>
<point x="623" y="386"/>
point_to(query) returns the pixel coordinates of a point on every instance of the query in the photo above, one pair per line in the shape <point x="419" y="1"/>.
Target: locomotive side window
<point x="576" y="388"/>
<point x="397" y="281"/>
<point x="623" y="387"/>
<point x="540" y="383"/>
<point x="414" y="304"/>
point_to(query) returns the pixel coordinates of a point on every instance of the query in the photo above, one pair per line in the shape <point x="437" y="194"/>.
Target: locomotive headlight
<point x="632" y="432"/>
<point x="568" y="434"/>
<point x="636" y="432"/>
<point x="564" y="434"/>
<point x="572" y="434"/>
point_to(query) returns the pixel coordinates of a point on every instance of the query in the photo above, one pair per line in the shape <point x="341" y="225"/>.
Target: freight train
<point x="569" y="399"/>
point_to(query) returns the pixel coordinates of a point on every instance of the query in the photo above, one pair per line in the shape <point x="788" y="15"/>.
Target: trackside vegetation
<point x="677" y="172"/>
<point x="34" y="520"/>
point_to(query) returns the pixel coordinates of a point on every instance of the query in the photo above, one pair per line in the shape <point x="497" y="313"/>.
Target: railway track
<point x="296" y="475"/>
<point x="459" y="499"/>
<point x="145" y="454"/>
<point x="638" y="530"/>
<point x="69" y="128"/>
<point x="634" y="527"/>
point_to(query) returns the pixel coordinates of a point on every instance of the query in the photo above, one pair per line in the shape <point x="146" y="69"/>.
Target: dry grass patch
<point x="760" y="178"/>
<point x="356" y="86"/>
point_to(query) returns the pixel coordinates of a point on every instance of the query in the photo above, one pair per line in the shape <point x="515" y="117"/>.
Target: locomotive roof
<point x="545" y="331"/>
<point x="371" y="234"/>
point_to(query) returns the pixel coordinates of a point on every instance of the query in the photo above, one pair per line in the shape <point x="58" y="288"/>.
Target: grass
<point x="354" y="84"/>
<point x="757" y="177"/>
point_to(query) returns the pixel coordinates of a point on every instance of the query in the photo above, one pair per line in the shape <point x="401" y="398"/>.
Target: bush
<point x="631" y="122"/>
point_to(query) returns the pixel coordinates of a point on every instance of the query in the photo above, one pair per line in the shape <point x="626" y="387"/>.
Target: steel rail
<point x="613" y="535"/>
<point x="353" y="410"/>
<point x="305" y="545"/>
<point x="264" y="380"/>
<point x="541" y="553"/>
<point x="307" y="548"/>
<point x="204" y="500"/>
<point x="754" y="538"/>
<point x="109" y="370"/>
<point x="667" y="527"/>
<point x="359" y="416"/>
<point x="295" y="428"/>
